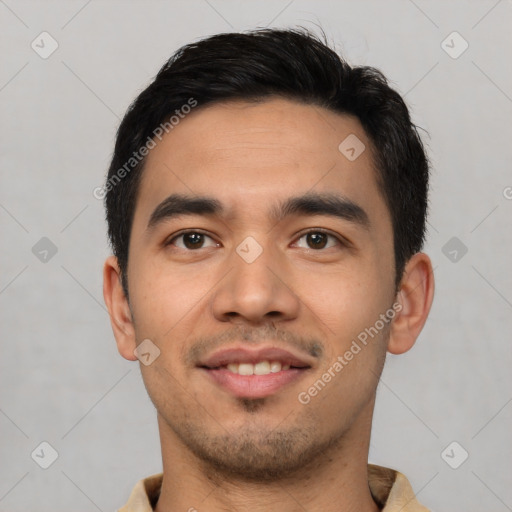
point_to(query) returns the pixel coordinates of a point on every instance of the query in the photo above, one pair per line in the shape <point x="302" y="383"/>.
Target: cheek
<point x="162" y="296"/>
<point x="344" y="302"/>
<point x="355" y="351"/>
<point x="351" y="304"/>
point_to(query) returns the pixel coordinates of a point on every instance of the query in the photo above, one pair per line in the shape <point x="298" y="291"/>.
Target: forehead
<point x="246" y="153"/>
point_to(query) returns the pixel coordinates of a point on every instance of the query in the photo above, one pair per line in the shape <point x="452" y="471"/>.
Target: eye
<point x="191" y="240"/>
<point x="315" y="239"/>
<point x="318" y="239"/>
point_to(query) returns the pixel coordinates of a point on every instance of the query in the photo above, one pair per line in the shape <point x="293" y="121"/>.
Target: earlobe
<point x="118" y="309"/>
<point x="415" y="298"/>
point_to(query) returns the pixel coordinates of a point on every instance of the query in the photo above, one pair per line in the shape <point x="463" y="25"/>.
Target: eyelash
<point x="340" y="241"/>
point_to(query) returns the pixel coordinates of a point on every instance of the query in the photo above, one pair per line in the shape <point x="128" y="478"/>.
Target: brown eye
<point x="316" y="240"/>
<point x="319" y="239"/>
<point x="191" y="240"/>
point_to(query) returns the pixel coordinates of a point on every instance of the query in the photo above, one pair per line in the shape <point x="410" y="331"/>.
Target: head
<point x="302" y="183"/>
<point x="256" y="66"/>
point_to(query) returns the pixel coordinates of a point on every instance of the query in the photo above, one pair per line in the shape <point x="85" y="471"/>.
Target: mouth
<point x="254" y="374"/>
<point x="259" y="368"/>
<point x="253" y="386"/>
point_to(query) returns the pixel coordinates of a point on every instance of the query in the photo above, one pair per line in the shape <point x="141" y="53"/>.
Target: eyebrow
<point x="332" y="205"/>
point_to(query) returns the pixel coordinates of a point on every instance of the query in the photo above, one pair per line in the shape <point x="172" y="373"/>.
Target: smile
<point x="254" y="384"/>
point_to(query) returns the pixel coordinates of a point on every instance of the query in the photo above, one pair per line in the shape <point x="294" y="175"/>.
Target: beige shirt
<point x="390" y="490"/>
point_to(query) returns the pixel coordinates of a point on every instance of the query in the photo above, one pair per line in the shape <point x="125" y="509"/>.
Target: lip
<point x="253" y="386"/>
<point x="245" y="355"/>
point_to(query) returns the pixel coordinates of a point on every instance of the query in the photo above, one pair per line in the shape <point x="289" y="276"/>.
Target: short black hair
<point x="257" y="65"/>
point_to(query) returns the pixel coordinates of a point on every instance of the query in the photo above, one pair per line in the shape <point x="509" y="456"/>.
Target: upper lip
<point x="240" y="354"/>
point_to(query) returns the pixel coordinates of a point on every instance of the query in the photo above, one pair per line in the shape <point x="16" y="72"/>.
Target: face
<point x="246" y="282"/>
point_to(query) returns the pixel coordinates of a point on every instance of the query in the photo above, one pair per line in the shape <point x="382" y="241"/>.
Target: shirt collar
<point x="390" y="490"/>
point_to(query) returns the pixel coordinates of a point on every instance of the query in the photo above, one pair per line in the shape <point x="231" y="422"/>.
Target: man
<point x="266" y="207"/>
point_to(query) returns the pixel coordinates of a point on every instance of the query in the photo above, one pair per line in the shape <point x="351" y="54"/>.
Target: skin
<point x="221" y="452"/>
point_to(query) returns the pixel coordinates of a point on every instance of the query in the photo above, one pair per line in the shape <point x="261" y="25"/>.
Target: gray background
<point x="63" y="381"/>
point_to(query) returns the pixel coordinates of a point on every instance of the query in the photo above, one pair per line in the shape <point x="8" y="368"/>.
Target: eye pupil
<point x="315" y="239"/>
<point x="193" y="240"/>
<point x="318" y="240"/>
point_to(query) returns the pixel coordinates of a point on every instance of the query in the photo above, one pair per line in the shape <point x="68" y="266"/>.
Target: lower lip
<point x="254" y="386"/>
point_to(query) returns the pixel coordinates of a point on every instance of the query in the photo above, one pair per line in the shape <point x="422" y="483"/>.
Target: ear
<point x="415" y="298"/>
<point x="118" y="309"/>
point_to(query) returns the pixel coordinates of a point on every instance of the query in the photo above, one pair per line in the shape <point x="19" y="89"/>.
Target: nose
<point x="256" y="291"/>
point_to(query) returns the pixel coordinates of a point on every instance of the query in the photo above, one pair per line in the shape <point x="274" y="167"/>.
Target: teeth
<point x="275" y="366"/>
<point x="245" y="369"/>
<point x="232" y="367"/>
<point x="260" y="368"/>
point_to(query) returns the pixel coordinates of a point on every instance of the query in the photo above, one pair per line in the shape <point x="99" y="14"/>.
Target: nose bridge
<point x="254" y="287"/>
<point x="252" y="262"/>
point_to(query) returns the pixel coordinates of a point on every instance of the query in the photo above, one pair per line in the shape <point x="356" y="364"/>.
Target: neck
<point x="336" y="481"/>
